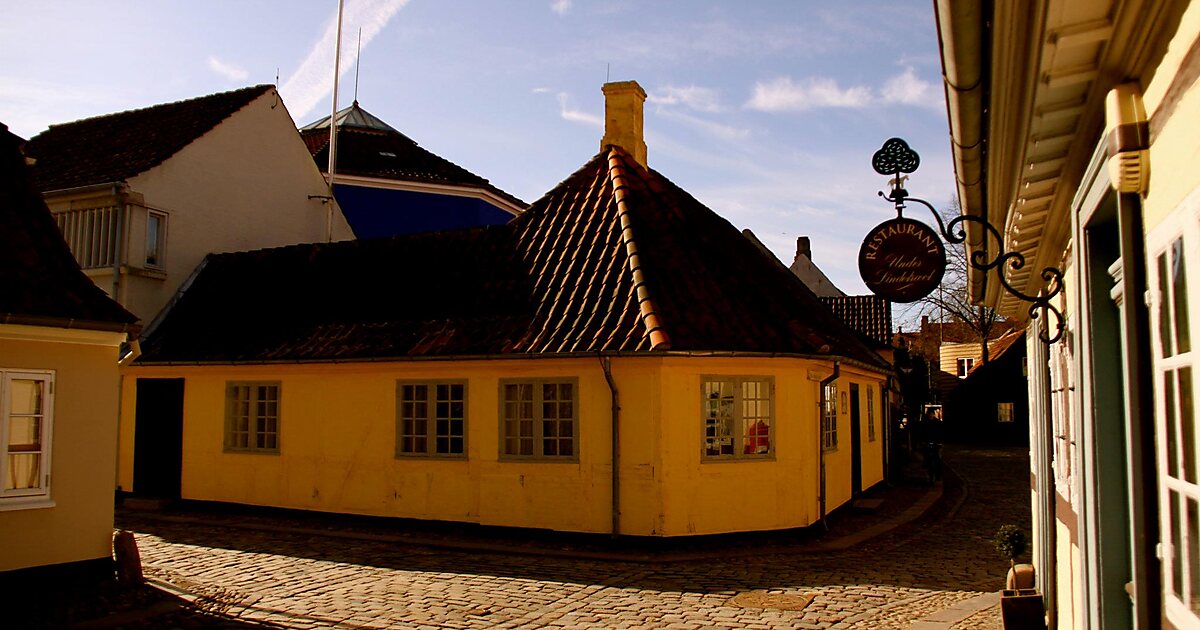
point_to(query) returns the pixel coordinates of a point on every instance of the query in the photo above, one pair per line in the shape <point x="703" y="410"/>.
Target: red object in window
<point x="758" y="439"/>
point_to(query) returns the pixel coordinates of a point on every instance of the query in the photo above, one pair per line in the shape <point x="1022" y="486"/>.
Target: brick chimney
<point x="623" y="118"/>
<point x="803" y="248"/>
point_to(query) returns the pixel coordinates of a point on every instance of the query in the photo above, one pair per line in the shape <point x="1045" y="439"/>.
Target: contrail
<point x="310" y="83"/>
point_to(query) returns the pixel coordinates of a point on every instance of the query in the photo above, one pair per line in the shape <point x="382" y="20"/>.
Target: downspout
<point x="1046" y="494"/>
<point x="606" y="365"/>
<point x="837" y="370"/>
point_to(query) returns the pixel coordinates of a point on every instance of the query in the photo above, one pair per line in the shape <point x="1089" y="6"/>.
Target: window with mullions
<point x="870" y="413"/>
<point x="539" y="419"/>
<point x="1179" y="467"/>
<point x="431" y="418"/>
<point x="252" y="417"/>
<point x="737" y="416"/>
<point x="829" y="416"/>
<point x="26" y="415"/>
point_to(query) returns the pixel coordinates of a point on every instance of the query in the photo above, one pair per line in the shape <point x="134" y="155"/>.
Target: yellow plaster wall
<point x="84" y="447"/>
<point x="337" y="442"/>
<point x="1176" y="148"/>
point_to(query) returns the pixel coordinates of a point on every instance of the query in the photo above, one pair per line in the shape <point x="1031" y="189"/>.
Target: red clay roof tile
<point x="614" y="259"/>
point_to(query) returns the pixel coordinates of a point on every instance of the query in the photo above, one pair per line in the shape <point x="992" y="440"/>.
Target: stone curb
<point x="843" y="543"/>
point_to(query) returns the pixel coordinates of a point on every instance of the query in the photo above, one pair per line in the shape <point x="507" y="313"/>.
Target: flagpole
<point x="337" y="57"/>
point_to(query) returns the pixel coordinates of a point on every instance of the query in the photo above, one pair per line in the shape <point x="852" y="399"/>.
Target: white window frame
<point x="539" y="420"/>
<point x="27" y="498"/>
<point x="256" y="423"/>
<point x="829" y="419"/>
<point x="738" y="438"/>
<point x="160" y="238"/>
<point x="1180" y="519"/>
<point x="431" y="418"/>
<point x="964" y="365"/>
<point x="870" y="413"/>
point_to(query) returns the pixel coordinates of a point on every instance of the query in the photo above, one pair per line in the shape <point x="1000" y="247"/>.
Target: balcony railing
<point x="91" y="234"/>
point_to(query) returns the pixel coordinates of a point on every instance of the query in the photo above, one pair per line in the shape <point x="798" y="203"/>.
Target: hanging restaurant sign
<point x="902" y="260"/>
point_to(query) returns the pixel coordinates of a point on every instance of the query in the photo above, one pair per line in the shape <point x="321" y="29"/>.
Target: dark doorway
<point x="855" y="447"/>
<point x="158" y="437"/>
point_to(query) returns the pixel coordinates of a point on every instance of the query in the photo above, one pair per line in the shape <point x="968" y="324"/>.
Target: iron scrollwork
<point x="897" y="159"/>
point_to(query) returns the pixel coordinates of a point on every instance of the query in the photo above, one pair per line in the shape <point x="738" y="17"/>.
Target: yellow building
<point x="1074" y="133"/>
<point x="59" y="338"/>
<point x="616" y="359"/>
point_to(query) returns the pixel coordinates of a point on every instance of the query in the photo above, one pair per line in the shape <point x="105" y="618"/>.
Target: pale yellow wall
<point x="1176" y="148"/>
<point x="338" y="439"/>
<point x="837" y="462"/>
<point x="243" y="185"/>
<point x="84" y="447"/>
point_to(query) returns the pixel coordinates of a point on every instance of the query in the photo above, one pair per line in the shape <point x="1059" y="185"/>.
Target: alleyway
<point x="301" y="580"/>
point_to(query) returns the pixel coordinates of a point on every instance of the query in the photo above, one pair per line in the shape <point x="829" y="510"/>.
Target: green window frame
<point x="539" y="419"/>
<point x="431" y="419"/>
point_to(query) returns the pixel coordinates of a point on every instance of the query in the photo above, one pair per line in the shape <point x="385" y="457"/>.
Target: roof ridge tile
<point x="659" y="339"/>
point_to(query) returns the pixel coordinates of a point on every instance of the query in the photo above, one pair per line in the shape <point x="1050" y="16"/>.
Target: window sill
<point x="533" y="459"/>
<point x="250" y="451"/>
<point x="735" y="459"/>
<point x="437" y="457"/>
<point x="10" y="504"/>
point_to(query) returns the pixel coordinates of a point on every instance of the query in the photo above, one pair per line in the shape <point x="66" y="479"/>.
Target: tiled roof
<point x="40" y="282"/>
<point x="1001" y="346"/>
<point x="118" y="146"/>
<point x="615" y="259"/>
<point x="368" y="147"/>
<point x="868" y="315"/>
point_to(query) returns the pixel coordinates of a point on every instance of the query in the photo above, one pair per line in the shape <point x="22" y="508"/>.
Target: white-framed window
<point x="539" y="419"/>
<point x="829" y="418"/>
<point x="1004" y="412"/>
<point x="870" y="413"/>
<point x="964" y="366"/>
<point x="1173" y="329"/>
<point x="737" y="416"/>
<point x="431" y="418"/>
<point x="252" y="417"/>
<point x="156" y="238"/>
<point x="26" y="429"/>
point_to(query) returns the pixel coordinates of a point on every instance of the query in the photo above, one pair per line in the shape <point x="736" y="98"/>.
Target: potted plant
<point x="1020" y="603"/>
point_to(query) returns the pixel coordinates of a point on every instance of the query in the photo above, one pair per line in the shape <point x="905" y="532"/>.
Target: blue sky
<point x="767" y="112"/>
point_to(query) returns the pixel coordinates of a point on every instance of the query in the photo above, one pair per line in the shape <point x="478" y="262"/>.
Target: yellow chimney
<point x="623" y="118"/>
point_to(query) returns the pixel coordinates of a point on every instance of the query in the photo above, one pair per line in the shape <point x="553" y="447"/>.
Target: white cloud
<point x="311" y="82"/>
<point x="701" y="99"/>
<point x="229" y="71"/>
<point x="783" y="95"/>
<point x="909" y="89"/>
<point x="542" y="90"/>
<point x="716" y="129"/>
<point x="574" y="115"/>
<point x="560" y="7"/>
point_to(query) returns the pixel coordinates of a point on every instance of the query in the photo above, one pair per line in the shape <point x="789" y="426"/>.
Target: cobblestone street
<point x="301" y="580"/>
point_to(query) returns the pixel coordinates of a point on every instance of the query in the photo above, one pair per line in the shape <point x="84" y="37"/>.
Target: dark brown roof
<point x="615" y="259"/>
<point x="40" y="282"/>
<point x="868" y="315"/>
<point x="115" y="147"/>
<point x="376" y="150"/>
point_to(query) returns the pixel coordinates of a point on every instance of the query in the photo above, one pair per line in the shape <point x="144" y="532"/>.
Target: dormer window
<point x="156" y="236"/>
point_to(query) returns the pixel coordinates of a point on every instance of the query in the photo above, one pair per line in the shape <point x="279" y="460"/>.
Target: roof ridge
<point x="185" y="101"/>
<point x="659" y="339"/>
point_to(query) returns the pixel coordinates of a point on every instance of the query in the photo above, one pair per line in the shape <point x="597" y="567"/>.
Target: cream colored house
<point x="59" y="338"/>
<point x="1074" y="127"/>
<point x="142" y="196"/>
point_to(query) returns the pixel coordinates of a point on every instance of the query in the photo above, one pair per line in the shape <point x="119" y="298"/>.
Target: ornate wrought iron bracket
<point x="897" y="159"/>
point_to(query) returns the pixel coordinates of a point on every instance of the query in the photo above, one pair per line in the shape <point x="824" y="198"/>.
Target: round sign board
<point x="902" y="260"/>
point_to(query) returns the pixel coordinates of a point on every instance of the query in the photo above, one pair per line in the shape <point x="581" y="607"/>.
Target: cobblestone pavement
<point x="302" y="580"/>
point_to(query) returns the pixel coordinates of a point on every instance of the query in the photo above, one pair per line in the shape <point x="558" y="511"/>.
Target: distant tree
<point x="951" y="302"/>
